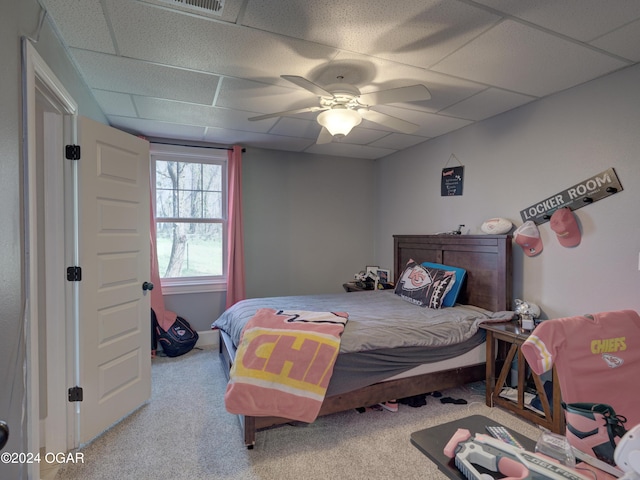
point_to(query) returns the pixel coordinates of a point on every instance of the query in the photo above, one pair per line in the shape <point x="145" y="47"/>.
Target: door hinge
<point x="72" y="152"/>
<point x="74" y="274"/>
<point x="75" y="394"/>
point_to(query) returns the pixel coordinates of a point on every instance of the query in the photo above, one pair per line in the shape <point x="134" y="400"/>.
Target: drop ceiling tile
<point x="359" y="70"/>
<point x="437" y="125"/>
<point x="238" y="120"/>
<point x="118" y="74"/>
<point x="229" y="12"/>
<point x="262" y="98"/>
<point x="372" y="74"/>
<point x="349" y="150"/>
<point x="295" y="127"/>
<point x="202" y="78"/>
<point x="580" y="19"/>
<point x="363" y="136"/>
<point x="84" y="27"/>
<point x="413" y="115"/>
<point x="430" y="125"/>
<point x="421" y="32"/>
<point x="522" y="59"/>
<point x="199" y="115"/>
<point x="445" y="91"/>
<point x="398" y="141"/>
<point x="150" y="128"/>
<point x="369" y="125"/>
<point x="115" y="103"/>
<point x="624" y="42"/>
<point x="168" y="110"/>
<point x="488" y="103"/>
<point x="158" y="35"/>
<point x="259" y="140"/>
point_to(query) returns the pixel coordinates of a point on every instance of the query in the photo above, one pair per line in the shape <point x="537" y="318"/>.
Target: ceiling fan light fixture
<point x="339" y="121"/>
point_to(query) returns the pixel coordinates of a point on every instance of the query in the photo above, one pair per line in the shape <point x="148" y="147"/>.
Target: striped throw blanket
<point x="284" y="363"/>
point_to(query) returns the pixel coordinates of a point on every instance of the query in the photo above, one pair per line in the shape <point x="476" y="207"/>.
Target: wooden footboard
<point x="370" y="395"/>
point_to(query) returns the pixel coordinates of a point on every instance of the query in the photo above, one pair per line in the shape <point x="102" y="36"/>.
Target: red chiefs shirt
<point x="597" y="359"/>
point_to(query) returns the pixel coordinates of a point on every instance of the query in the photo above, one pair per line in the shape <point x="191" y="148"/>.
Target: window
<point x="190" y="195"/>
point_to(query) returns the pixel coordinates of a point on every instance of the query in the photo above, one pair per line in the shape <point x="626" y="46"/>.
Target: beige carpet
<point x="184" y="432"/>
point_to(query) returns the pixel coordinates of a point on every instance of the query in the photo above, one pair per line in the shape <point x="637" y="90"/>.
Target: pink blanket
<point x="284" y="363"/>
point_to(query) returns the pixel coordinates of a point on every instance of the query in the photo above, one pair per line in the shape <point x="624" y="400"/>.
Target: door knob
<point x="147" y="286"/>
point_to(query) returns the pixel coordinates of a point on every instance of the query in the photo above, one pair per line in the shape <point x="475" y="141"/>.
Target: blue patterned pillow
<point x="424" y="286"/>
<point x="450" y="298"/>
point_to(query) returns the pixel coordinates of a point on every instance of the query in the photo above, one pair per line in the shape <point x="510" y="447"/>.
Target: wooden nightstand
<point x="513" y="336"/>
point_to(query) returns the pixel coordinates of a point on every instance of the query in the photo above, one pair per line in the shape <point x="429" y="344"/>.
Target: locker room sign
<point x="584" y="193"/>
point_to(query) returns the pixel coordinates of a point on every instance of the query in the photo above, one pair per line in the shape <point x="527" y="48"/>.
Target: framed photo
<point x="383" y="275"/>
<point x="372" y="269"/>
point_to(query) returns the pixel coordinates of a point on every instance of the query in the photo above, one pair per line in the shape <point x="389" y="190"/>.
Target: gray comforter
<point x="377" y="319"/>
<point x="385" y="335"/>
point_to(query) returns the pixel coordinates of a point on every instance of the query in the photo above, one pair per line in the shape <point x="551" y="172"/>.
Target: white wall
<point x="516" y="159"/>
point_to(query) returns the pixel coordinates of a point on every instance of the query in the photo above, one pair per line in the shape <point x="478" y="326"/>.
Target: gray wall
<point x="18" y="19"/>
<point x="524" y="156"/>
<point x="307" y="223"/>
<point x="11" y="299"/>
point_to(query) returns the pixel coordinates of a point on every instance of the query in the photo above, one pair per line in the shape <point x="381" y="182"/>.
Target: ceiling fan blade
<point x="324" y="137"/>
<point x="413" y="93"/>
<point x="287" y="112"/>
<point x="388" y="121"/>
<point x="307" y="85"/>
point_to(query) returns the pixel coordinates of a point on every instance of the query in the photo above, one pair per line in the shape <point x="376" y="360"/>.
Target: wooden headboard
<point x="486" y="258"/>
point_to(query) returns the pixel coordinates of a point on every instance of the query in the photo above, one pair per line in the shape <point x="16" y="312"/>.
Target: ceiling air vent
<point x="214" y="7"/>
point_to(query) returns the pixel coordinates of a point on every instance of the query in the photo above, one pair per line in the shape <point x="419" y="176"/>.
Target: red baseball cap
<point x="564" y="223"/>
<point x="527" y="236"/>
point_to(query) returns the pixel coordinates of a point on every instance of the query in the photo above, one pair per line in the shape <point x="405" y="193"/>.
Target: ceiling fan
<point x="343" y="107"/>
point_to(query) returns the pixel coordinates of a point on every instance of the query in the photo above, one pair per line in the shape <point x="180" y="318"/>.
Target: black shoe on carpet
<point x="415" y="401"/>
<point x="455" y="401"/>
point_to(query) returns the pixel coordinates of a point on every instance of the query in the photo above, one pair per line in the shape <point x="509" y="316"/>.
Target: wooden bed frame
<point x="488" y="261"/>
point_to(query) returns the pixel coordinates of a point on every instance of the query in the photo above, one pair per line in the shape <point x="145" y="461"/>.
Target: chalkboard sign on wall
<point x="452" y="180"/>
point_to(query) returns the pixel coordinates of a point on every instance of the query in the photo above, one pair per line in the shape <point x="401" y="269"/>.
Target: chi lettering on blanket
<point x="284" y="363"/>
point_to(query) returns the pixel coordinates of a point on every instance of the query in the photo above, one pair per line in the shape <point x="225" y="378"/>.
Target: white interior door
<point x="113" y="330"/>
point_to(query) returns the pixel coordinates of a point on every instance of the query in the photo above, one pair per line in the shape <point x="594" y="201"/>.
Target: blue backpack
<point x="178" y="340"/>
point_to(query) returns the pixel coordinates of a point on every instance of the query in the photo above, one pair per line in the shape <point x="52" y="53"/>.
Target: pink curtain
<point x="235" y="238"/>
<point x="165" y="317"/>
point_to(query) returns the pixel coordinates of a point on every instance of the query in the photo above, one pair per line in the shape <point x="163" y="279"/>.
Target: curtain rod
<point x="197" y="146"/>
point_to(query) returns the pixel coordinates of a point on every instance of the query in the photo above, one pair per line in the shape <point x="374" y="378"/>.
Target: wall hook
<point x="587" y="200"/>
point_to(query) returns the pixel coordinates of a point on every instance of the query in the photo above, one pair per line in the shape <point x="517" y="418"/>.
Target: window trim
<point x="162" y="152"/>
